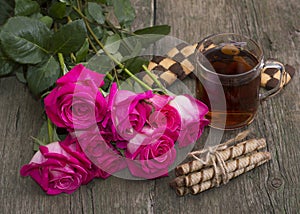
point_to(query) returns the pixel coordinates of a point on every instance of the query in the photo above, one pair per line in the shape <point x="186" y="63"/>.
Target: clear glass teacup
<point x="229" y="76"/>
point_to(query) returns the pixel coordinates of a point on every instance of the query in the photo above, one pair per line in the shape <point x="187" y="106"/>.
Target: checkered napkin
<point x="177" y="64"/>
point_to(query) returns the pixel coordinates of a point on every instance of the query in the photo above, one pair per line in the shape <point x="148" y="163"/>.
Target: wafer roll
<point x="229" y="153"/>
<point x="181" y="191"/>
<point x="195" y="189"/>
<point x="198" y="188"/>
<point x="233" y="165"/>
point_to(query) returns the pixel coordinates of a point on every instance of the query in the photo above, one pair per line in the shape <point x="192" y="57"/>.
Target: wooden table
<point x="271" y="188"/>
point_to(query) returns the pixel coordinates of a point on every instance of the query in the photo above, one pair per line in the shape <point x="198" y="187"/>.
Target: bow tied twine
<point x="212" y="156"/>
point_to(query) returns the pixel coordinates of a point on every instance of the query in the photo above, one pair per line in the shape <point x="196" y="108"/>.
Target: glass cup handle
<point x="280" y="67"/>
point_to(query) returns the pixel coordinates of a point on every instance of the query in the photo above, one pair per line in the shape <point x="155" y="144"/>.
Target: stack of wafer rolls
<point x="195" y="176"/>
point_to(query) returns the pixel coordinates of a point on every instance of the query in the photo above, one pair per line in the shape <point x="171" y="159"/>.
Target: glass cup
<point x="229" y="75"/>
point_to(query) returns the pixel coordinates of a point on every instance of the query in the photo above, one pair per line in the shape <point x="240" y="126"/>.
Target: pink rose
<point x="61" y="167"/>
<point x="192" y="113"/>
<point x="150" y="157"/>
<point x="108" y="131"/>
<point x="166" y="118"/>
<point x="102" y="153"/>
<point x="106" y="127"/>
<point x="72" y="147"/>
<point x="79" y="73"/>
<point x="76" y="102"/>
<point x="158" y="101"/>
<point x="130" y="112"/>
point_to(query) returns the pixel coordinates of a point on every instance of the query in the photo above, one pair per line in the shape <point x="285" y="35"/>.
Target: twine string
<point x="212" y="155"/>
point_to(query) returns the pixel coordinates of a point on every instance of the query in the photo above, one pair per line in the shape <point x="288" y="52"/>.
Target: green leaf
<point x="7" y="66"/>
<point x="37" y="16"/>
<point x="42" y="138"/>
<point x="130" y="47"/>
<point x="37" y="143"/>
<point x="112" y="43"/>
<point x="47" y="20"/>
<point x="105" y="66"/>
<point x="6" y="10"/>
<point x="124" y="12"/>
<point x="43" y="75"/>
<point x="69" y="38"/>
<point x="135" y="64"/>
<point x="25" y="40"/>
<point x="98" y="31"/>
<point x="99" y="1"/>
<point x="58" y="10"/>
<point x="150" y="35"/>
<point x="95" y="11"/>
<point x="21" y="75"/>
<point x="118" y="56"/>
<point x="158" y="29"/>
<point x="83" y="51"/>
<point x="26" y="7"/>
<point x="68" y="2"/>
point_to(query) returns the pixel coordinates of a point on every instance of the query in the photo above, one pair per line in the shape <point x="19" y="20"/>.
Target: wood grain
<point x="272" y="188"/>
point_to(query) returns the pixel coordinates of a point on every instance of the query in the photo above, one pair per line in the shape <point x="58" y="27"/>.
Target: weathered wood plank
<point x="281" y="127"/>
<point x="144" y="13"/>
<point x="273" y="187"/>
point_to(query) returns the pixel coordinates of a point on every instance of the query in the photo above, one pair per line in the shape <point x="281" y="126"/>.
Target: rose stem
<point x="108" y="54"/>
<point x="110" y="77"/>
<point x="50" y="130"/>
<point x="154" y="79"/>
<point x="91" y="43"/>
<point x="62" y="63"/>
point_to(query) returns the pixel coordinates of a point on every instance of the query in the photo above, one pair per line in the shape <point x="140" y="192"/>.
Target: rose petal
<point x="80" y="73"/>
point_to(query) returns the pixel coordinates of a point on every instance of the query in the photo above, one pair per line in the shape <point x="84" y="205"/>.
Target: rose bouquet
<point x="93" y="127"/>
<point x="107" y="133"/>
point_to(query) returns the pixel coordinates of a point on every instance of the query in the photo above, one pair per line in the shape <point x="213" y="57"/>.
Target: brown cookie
<point x="270" y="77"/>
